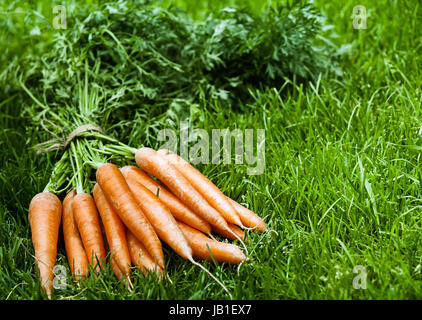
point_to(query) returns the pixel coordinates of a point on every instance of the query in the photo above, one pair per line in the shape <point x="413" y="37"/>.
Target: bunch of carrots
<point x="164" y="199"/>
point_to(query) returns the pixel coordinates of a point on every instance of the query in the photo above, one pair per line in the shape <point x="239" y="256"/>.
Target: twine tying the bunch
<point x="60" y="143"/>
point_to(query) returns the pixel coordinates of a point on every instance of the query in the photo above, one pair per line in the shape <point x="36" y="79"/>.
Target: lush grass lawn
<point x="341" y="186"/>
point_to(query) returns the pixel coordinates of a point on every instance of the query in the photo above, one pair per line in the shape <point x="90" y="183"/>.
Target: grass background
<point x="341" y="186"/>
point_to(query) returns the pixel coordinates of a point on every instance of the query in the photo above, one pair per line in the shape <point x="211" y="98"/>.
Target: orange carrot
<point x="114" y="230"/>
<point x="114" y="266"/>
<point x="249" y="218"/>
<point x="176" y="207"/>
<point x="88" y="222"/>
<point x="236" y="230"/>
<point x="118" y="193"/>
<point x="153" y="163"/>
<point x="204" y="186"/>
<point x="221" y="251"/>
<point x="150" y="161"/>
<point x="158" y="166"/>
<point x="140" y="256"/>
<point x="159" y="215"/>
<point x="45" y="211"/>
<point x="117" y="272"/>
<point x="75" y="252"/>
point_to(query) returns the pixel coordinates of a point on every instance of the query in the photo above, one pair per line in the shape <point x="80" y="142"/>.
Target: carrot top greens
<point x="150" y="57"/>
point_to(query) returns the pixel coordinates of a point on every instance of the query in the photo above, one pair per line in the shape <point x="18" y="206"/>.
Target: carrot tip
<point x="129" y="283"/>
<point x="168" y="278"/>
<point x="212" y="237"/>
<point x="212" y="276"/>
<point x="238" y="268"/>
<point x="240" y="240"/>
<point x="246" y="228"/>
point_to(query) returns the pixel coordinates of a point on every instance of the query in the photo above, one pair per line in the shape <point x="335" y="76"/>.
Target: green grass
<point x="341" y="186"/>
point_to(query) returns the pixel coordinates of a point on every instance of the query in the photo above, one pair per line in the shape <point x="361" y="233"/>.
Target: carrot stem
<point x="58" y="178"/>
<point x="78" y="175"/>
<point x="119" y="149"/>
